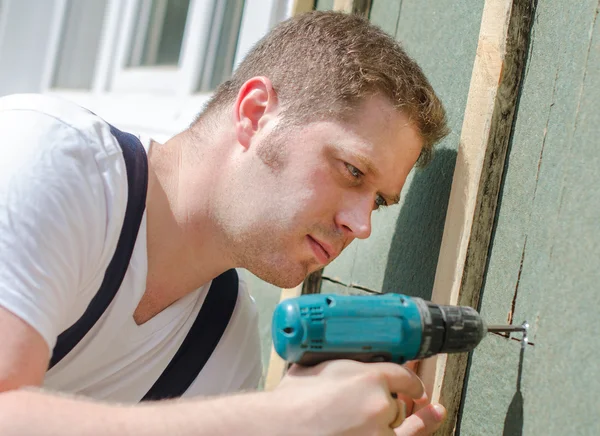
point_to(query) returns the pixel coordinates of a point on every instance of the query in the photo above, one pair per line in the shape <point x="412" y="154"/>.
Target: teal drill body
<point x="390" y="327"/>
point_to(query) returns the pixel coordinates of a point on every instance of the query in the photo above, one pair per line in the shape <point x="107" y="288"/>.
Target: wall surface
<point x="545" y="254"/>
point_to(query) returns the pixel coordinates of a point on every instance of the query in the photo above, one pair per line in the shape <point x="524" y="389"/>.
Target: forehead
<point x="377" y="121"/>
<point x="380" y="133"/>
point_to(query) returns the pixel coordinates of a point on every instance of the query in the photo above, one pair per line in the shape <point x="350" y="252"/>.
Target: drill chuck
<point x="448" y="329"/>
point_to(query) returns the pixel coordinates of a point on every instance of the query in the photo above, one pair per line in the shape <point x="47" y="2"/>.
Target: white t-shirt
<point x="63" y="193"/>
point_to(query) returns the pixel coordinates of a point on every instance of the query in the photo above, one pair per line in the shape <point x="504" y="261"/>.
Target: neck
<point x="184" y="247"/>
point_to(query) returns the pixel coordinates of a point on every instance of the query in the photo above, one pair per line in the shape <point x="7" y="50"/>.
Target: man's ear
<point x="255" y="105"/>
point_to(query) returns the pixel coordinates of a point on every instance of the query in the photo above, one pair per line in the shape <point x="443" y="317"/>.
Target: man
<point x="319" y="126"/>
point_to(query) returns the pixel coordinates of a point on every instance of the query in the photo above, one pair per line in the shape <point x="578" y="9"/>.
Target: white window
<point x="174" y="46"/>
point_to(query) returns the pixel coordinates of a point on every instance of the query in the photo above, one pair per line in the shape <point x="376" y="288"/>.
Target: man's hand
<point x="347" y="398"/>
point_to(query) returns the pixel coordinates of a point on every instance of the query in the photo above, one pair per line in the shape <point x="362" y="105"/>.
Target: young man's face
<point x="305" y="193"/>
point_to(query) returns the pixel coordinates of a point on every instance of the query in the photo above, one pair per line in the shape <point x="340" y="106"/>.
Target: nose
<point x="354" y="218"/>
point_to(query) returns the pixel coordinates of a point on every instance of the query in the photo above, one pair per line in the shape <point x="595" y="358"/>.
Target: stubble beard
<point x="262" y="252"/>
<point x="274" y="264"/>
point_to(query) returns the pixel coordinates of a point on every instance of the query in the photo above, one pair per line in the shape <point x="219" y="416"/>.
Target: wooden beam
<point x="353" y="6"/>
<point x="486" y="131"/>
<point x="300" y="6"/>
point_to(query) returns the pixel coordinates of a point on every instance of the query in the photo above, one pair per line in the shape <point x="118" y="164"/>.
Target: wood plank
<point x="487" y="126"/>
<point x="301" y="6"/>
<point x="353" y="6"/>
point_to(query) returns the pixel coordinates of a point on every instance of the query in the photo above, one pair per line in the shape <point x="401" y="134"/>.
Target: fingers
<point x="424" y="422"/>
<point x="398" y="378"/>
<point x="401" y="380"/>
<point x="420" y="403"/>
<point x="400" y="415"/>
<point x="296" y="370"/>
<point x="365" y="390"/>
<point x="411" y="403"/>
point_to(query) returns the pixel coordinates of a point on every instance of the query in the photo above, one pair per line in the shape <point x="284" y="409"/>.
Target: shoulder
<point x="61" y="110"/>
<point x="64" y="157"/>
<point x="63" y="191"/>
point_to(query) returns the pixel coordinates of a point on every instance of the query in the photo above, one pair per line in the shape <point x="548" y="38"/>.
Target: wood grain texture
<point x="485" y="135"/>
<point x="353" y="6"/>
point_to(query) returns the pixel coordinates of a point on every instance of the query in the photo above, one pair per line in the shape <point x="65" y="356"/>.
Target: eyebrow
<point x="370" y="168"/>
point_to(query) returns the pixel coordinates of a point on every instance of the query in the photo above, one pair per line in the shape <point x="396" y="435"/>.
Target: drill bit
<point x="506" y="328"/>
<point x="524" y="328"/>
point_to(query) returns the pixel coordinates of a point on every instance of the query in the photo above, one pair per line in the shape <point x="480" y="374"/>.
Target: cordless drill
<point x="390" y="327"/>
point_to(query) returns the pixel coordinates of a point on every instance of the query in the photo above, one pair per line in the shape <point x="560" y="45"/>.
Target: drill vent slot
<point x="315" y="313"/>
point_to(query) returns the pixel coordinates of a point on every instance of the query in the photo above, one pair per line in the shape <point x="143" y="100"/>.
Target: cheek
<point x="323" y="191"/>
<point x="301" y="195"/>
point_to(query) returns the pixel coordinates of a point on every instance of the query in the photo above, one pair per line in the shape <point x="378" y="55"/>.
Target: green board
<point x="545" y="253"/>
<point x="324" y="5"/>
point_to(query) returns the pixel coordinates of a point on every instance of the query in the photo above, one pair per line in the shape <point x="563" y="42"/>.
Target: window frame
<point x="155" y="102"/>
<point x="176" y="80"/>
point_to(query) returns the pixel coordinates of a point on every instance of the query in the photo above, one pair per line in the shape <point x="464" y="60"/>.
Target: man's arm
<point x="24" y="354"/>
<point x="28" y="411"/>
<point x="24" y="357"/>
<point x="360" y="405"/>
<point x="340" y="397"/>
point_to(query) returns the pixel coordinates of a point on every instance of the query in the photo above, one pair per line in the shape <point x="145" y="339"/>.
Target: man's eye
<point x="380" y="201"/>
<point x="355" y="172"/>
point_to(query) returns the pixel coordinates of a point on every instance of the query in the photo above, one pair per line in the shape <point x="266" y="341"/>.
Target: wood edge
<point x="465" y="245"/>
<point x="517" y="43"/>
<point x="277" y="366"/>
<point x="301" y="6"/>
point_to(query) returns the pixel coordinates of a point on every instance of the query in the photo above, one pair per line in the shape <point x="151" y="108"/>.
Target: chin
<point x="286" y="282"/>
<point x="284" y="277"/>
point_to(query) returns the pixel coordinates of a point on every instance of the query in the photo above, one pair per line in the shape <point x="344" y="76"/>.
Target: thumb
<point x="423" y="422"/>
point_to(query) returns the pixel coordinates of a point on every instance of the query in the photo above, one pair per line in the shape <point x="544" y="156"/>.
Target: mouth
<point x="322" y="251"/>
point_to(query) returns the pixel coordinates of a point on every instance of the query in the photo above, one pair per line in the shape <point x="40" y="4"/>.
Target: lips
<point x="323" y="251"/>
